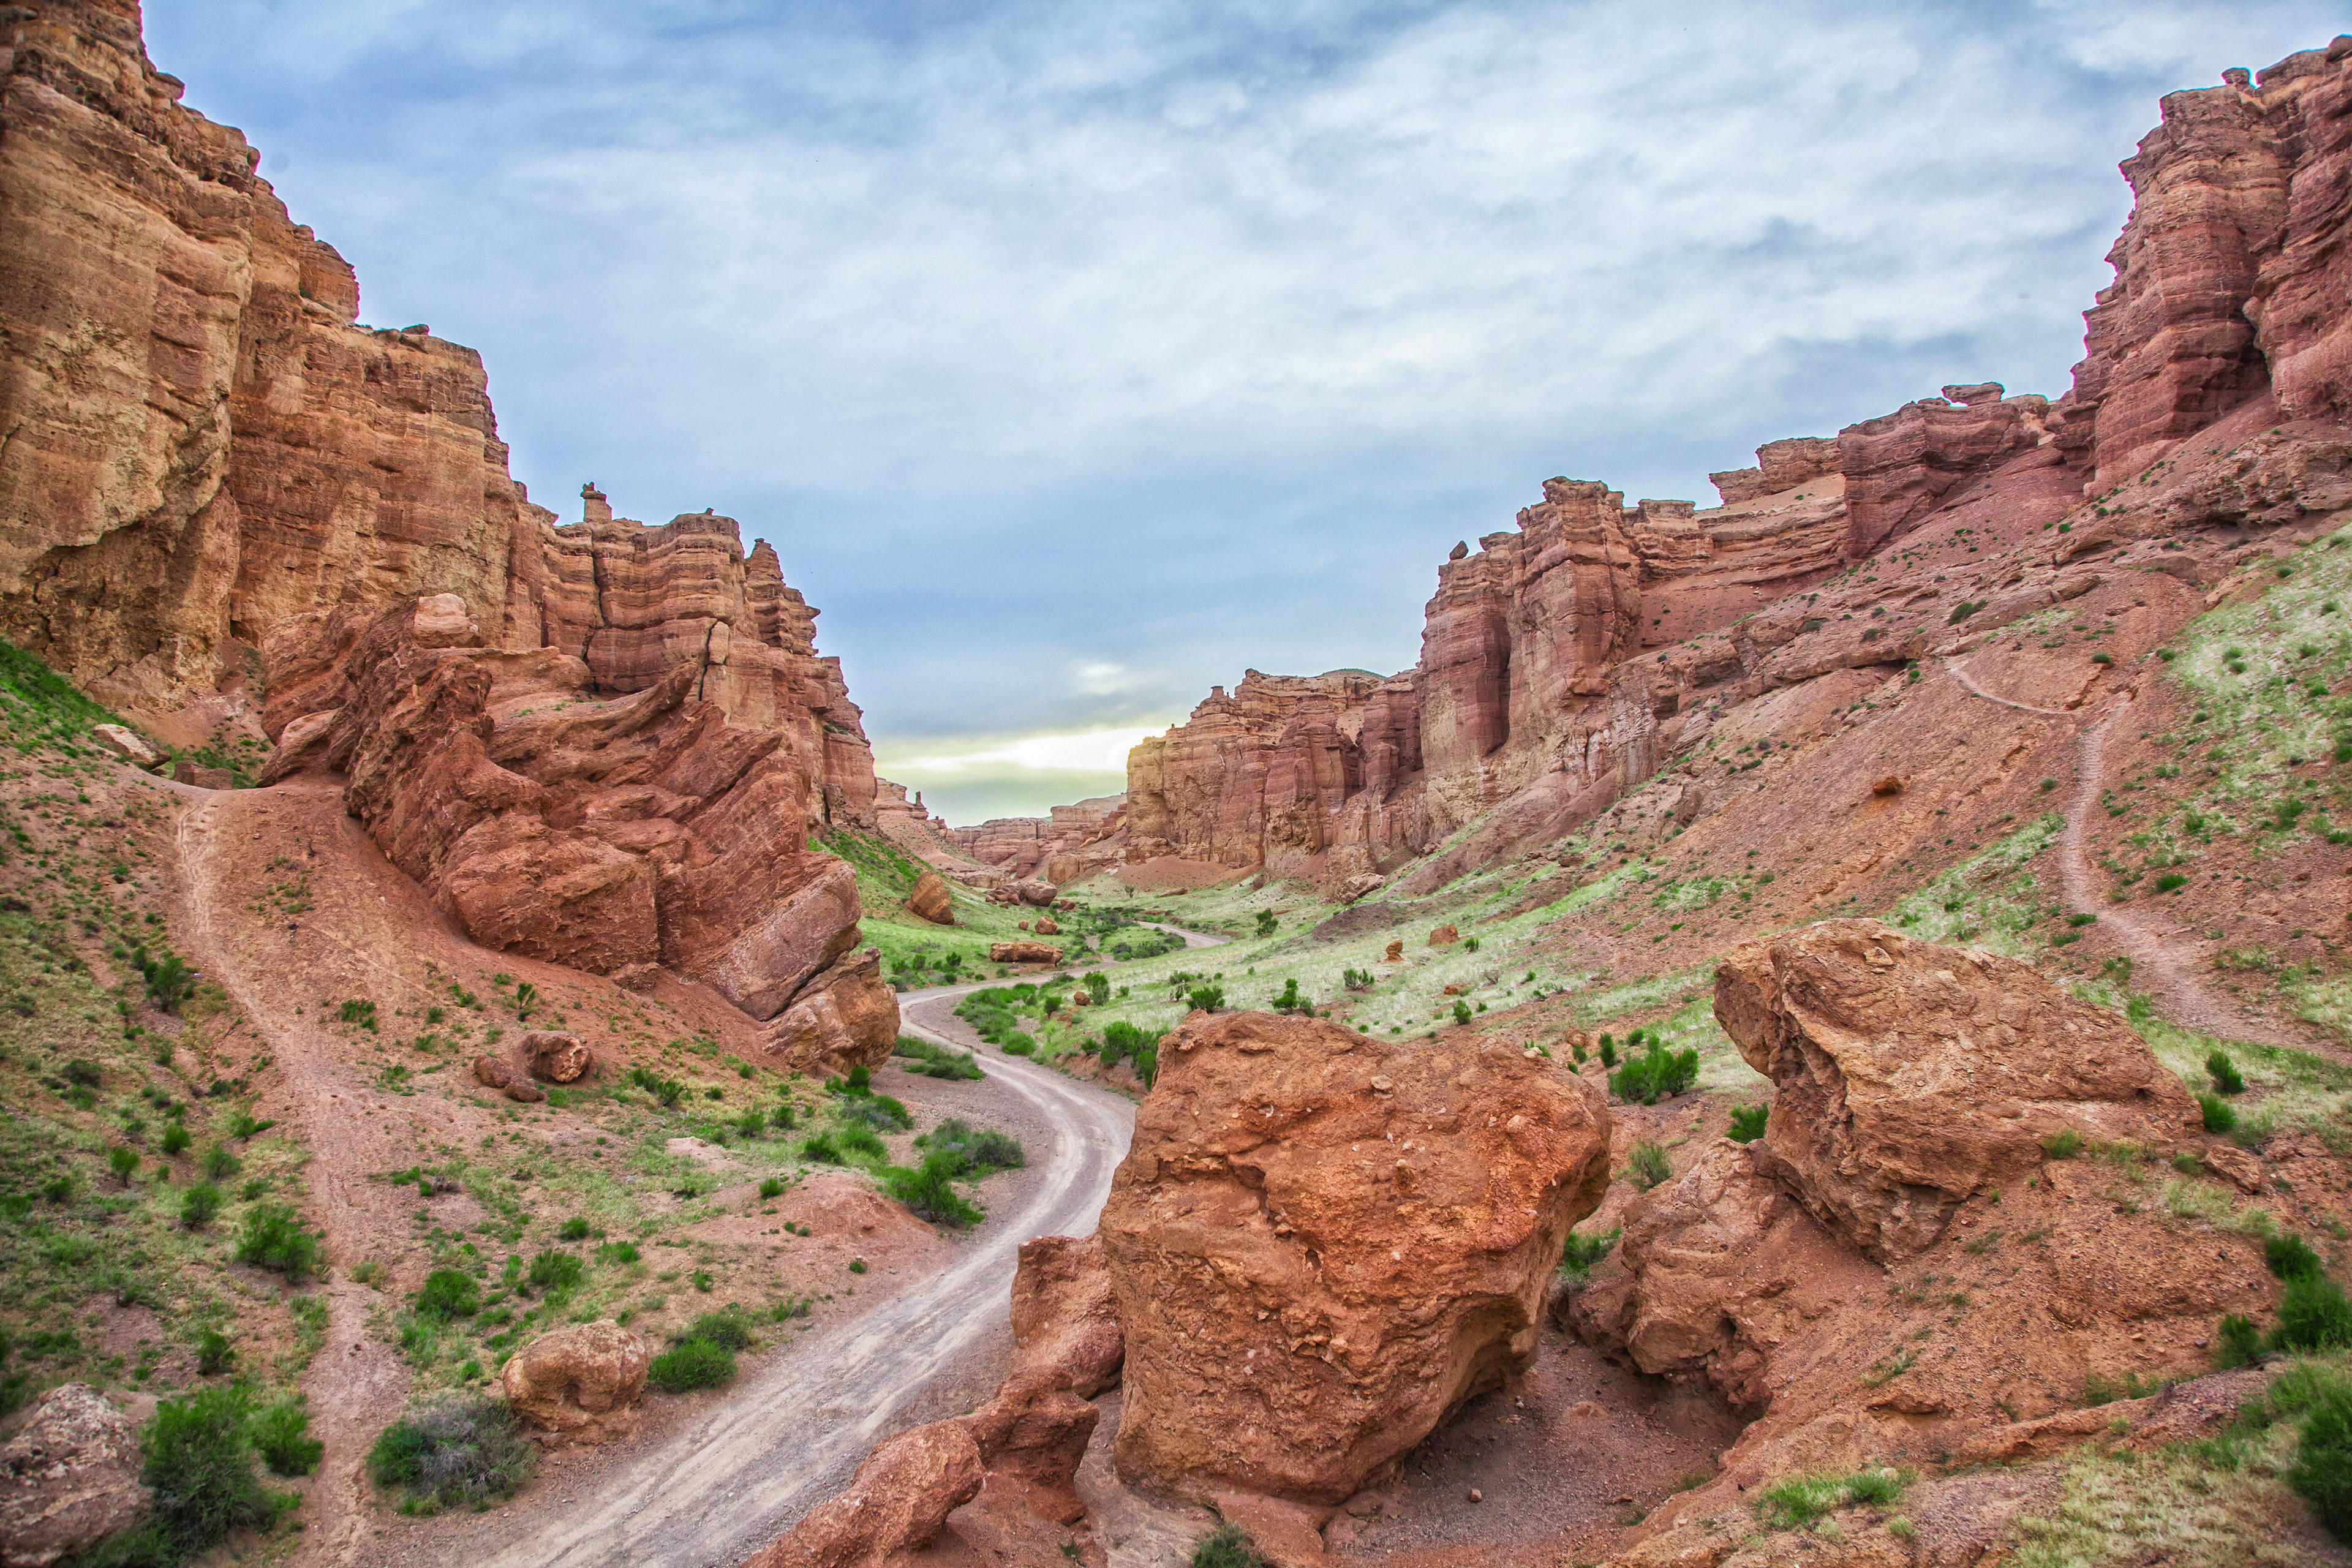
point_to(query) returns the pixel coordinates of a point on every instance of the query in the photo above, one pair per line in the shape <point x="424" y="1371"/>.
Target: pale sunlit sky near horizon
<point x="1078" y="357"/>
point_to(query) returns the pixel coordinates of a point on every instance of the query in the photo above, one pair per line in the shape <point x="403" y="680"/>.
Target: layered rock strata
<point x="1071" y="842"/>
<point x="1320" y="1243"/>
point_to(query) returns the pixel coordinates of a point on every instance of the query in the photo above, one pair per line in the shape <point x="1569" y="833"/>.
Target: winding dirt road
<point x="791" y="1437"/>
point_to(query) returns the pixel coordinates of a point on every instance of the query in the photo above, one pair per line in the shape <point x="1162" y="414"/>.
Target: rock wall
<point x="208" y="452"/>
<point x="2225" y="272"/>
<point x="1023" y="846"/>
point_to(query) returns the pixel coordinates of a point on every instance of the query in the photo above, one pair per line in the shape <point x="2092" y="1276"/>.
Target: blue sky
<point x="1076" y="357"/>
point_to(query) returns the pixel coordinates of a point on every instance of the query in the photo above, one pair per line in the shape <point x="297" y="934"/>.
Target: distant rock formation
<point x="1071" y="844"/>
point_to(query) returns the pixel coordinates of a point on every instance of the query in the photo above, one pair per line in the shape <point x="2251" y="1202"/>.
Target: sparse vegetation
<point x="1748" y="1122"/>
<point x="456" y="1449"/>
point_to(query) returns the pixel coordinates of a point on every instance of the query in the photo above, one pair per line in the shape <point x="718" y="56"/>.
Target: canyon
<point x="1815" y="1029"/>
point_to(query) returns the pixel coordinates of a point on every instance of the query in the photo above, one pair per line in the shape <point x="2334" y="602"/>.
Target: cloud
<point x="1075" y="358"/>
<point x="1020" y="775"/>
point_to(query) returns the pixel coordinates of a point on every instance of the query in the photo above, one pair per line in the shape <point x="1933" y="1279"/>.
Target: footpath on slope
<point x="2157" y="963"/>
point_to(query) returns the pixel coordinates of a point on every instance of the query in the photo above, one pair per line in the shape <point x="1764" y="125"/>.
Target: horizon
<point x="1141" y="349"/>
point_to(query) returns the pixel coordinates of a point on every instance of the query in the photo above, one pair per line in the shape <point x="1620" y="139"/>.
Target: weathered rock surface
<point x="1084" y="836"/>
<point x="1910" y="1076"/>
<point x="1032" y="1437"/>
<point x="899" y="1501"/>
<point x="583" y="1380"/>
<point x="556" y="1057"/>
<point x="1900" y="466"/>
<point x="1320" y="1243"/>
<point x="69" y="1477"/>
<point x="1066" y="1314"/>
<point x="1779" y="466"/>
<point x="930" y="900"/>
<point x="1024" y="953"/>
<point x="846" y="1016"/>
<point x="129" y="744"/>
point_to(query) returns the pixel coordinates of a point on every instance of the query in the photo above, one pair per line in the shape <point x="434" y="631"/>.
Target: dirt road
<point x="789" y="1438"/>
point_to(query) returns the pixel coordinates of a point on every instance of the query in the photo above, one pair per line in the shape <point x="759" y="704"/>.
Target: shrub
<point x="2322" y="1475"/>
<point x="1291" y="1001"/>
<point x="2219" y="1116"/>
<point x="1208" y="998"/>
<point x="2237" y="1342"/>
<point x="2291" y="1257"/>
<point x="697" y="1364"/>
<point x="1584" y="1251"/>
<point x="1747" y="1122"/>
<point x="273" y="1240"/>
<point x="1226" y="1547"/>
<point x="821" y="1149"/>
<point x="199" y="1205"/>
<point x="773" y="1187"/>
<point x="2224" y="1072"/>
<point x="1962" y="611"/>
<point x="1266" y="923"/>
<point x="2172" y="882"/>
<point x="199" y="1465"/>
<point x="1646" y="1166"/>
<point x="1657" y="1074"/>
<point x="170" y="980"/>
<point x="572" y="1229"/>
<point x="1017" y="1043"/>
<point x="1608" y="1051"/>
<point x="123" y="1161"/>
<point x="552" y="1273"/>
<point x="457" y="1450"/>
<point x="278" y="1434"/>
<point x="730" y="1326"/>
<point x="448" y="1293"/>
<point x="1097" y="988"/>
<point x="2063" y="1144"/>
<point x="617" y="1252"/>
<point x="214" y="1355"/>
<point x="1460" y="1013"/>
<point x="861" y="1141"/>
<point x="929" y="1190"/>
<point x="2313" y="1315"/>
<point x="219" y="1163"/>
<point x="175" y="1139"/>
<point x="972" y="1149"/>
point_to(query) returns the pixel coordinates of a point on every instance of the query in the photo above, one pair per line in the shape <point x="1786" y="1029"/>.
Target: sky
<point x="1077" y="357"/>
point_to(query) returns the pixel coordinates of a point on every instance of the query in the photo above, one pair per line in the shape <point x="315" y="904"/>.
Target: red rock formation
<point x="1779" y="466"/>
<point x="1899" y="466"/>
<point x="1065" y="1313"/>
<point x="1071" y="842"/>
<point x="582" y="1380"/>
<point x="1297" y="1313"/>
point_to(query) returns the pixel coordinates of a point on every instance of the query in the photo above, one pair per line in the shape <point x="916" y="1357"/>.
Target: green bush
<point x="2219" y="1117"/>
<point x="1226" y="1547"/>
<point x="821" y="1149"/>
<point x="1207" y="998"/>
<point x="1291" y="1001"/>
<point x="772" y="1187"/>
<point x="1608" y="1051"/>
<point x="2063" y="1144"/>
<point x="2313" y="1315"/>
<point x="1017" y="1043"/>
<point x="2291" y="1257"/>
<point x="219" y="1163"/>
<point x="929" y="1190"/>
<point x="448" y="1293"/>
<point x="199" y="1205"/>
<point x="1657" y="1074"/>
<point x="2237" y="1342"/>
<point x="1584" y="1251"/>
<point x="214" y="1355"/>
<point x="572" y="1229"/>
<point x="861" y="1141"/>
<point x="1646" y="1166"/>
<point x="697" y="1364"/>
<point x="273" y="1240"/>
<point x="2322" y="1475"/>
<point x="981" y="1150"/>
<point x="552" y="1273"/>
<point x="729" y="1327"/>
<point x="617" y="1252"/>
<point x="1266" y="923"/>
<point x="1460" y="1013"/>
<point x="278" y="1434"/>
<point x="123" y="1161"/>
<point x="1747" y="1122"/>
<point x="175" y="1139"/>
<point x="2227" y="1079"/>
<point x="199" y="1468"/>
<point x="457" y="1450"/>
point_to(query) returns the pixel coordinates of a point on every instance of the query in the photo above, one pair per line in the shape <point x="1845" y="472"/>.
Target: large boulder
<point x="1910" y="1076"/>
<point x="1321" y="1243"/>
<point x="1035" y="892"/>
<point x="69" y="1477"/>
<point x="1032" y="1437"/>
<point x="1065" y="1314"/>
<point x="1024" y="953"/>
<point x="847" y="1016"/>
<point x="583" y="1380"/>
<point x="556" y="1057"/>
<point x="929" y="899"/>
<point x="899" y="1501"/>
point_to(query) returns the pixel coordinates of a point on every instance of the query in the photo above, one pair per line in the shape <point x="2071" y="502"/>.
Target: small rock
<point x="128" y="744"/>
<point x="1476" y="1496"/>
<point x="1443" y="936"/>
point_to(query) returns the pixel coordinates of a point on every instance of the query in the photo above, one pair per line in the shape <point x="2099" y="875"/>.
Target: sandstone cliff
<point x="1074" y="841"/>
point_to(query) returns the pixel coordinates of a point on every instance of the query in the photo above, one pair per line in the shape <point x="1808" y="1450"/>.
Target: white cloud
<point x="1086" y="752"/>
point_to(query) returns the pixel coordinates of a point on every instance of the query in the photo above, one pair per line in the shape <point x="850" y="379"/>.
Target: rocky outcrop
<point x="69" y="1477"/>
<point x="928" y="900"/>
<point x="556" y="1057"/>
<point x="582" y="1381"/>
<point x="604" y="832"/>
<point x="843" y="1017"/>
<point x="1320" y="1243"/>
<point x="1065" y="1312"/>
<point x="1899" y="466"/>
<point x="1024" y="953"/>
<point x="909" y="823"/>
<point x="1071" y="842"/>
<point x="898" y="1502"/>
<point x="1779" y="466"/>
<point x="1910" y="1076"/>
<point x="2230" y="273"/>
